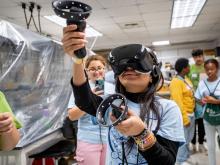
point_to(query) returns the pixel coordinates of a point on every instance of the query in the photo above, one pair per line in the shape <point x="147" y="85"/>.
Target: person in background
<point x="109" y="77"/>
<point x="181" y="91"/>
<point x="205" y="87"/>
<point x="152" y="130"/>
<point x="196" y="74"/>
<point x="9" y="134"/>
<point x="91" y="137"/>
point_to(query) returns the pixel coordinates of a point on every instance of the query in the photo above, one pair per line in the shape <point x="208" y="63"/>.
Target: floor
<point x="202" y="158"/>
<point x="196" y="159"/>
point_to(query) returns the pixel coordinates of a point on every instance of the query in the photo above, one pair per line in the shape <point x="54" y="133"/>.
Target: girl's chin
<point x="212" y="77"/>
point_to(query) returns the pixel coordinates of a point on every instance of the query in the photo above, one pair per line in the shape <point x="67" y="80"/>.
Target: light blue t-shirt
<point x="109" y="77"/>
<point x="171" y="128"/>
<point x="88" y="129"/>
<point x="203" y="91"/>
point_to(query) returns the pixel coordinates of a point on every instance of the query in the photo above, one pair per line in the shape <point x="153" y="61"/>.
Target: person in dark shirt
<point x="152" y="131"/>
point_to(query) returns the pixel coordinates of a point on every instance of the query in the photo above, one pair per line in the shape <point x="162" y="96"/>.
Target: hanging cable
<point x="35" y="24"/>
<point x="124" y="159"/>
<point x="31" y="7"/>
<point x="23" y="5"/>
<point x="38" y="9"/>
<point x="28" y="24"/>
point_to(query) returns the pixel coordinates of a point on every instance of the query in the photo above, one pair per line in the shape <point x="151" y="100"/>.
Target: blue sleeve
<point x="171" y="126"/>
<point x="71" y="103"/>
<point x="85" y="99"/>
<point x="198" y="93"/>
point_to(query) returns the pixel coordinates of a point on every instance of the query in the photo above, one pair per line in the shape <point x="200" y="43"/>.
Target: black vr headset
<point x="139" y="58"/>
<point x="136" y="56"/>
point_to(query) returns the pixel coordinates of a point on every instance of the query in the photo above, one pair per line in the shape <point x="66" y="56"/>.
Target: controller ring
<point x="60" y="6"/>
<point x="105" y="104"/>
<point x="75" y="13"/>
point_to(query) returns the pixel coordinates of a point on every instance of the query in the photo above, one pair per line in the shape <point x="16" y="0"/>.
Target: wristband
<point x="142" y="132"/>
<point x="145" y="140"/>
<point x="77" y="60"/>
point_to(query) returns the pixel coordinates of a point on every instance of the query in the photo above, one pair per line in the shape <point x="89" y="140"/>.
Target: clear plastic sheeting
<point x="35" y="77"/>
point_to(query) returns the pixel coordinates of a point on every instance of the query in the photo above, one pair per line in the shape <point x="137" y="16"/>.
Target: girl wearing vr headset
<point x="153" y="129"/>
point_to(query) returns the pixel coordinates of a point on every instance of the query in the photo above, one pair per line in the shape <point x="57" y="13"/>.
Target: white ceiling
<point x="110" y="16"/>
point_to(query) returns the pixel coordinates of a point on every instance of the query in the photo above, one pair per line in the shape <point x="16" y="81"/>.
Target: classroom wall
<point x="172" y="53"/>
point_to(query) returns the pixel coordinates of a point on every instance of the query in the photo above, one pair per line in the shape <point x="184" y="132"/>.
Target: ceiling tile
<point x="157" y="16"/>
<point x="107" y="15"/>
<point x="123" y="11"/>
<point x="132" y="18"/>
<point x="7" y="3"/>
<point x="135" y="30"/>
<point x="213" y="2"/>
<point x="116" y="3"/>
<point x="216" y="27"/>
<point x="211" y="9"/>
<point x="100" y="13"/>
<point x="155" y="7"/>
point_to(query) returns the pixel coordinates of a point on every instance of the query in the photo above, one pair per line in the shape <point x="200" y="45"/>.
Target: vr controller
<point x="112" y="103"/>
<point x="116" y="108"/>
<point x="75" y="13"/>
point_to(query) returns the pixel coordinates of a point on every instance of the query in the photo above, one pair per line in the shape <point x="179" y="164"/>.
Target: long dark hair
<point x="146" y="99"/>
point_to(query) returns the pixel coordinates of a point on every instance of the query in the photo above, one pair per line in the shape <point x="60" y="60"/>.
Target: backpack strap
<point x="187" y="84"/>
<point x="214" y="88"/>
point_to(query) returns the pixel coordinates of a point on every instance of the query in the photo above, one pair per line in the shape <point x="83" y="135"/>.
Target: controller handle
<point x="81" y="26"/>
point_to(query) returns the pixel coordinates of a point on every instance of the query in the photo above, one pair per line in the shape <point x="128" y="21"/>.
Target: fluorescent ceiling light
<point x="160" y="43"/>
<point x="185" y="12"/>
<point x="90" y="32"/>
